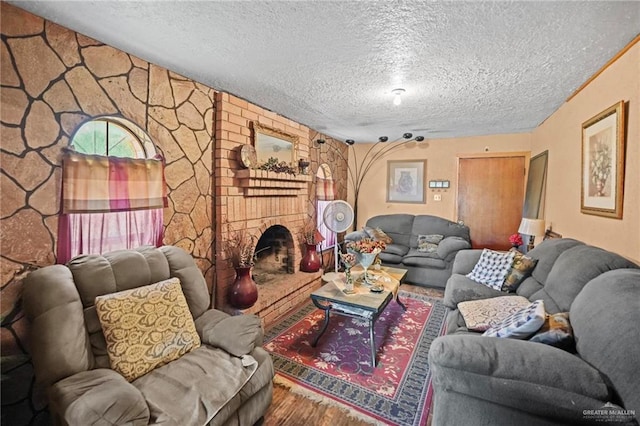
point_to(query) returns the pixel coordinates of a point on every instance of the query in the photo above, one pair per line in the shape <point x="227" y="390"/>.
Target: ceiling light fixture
<point x="397" y="99"/>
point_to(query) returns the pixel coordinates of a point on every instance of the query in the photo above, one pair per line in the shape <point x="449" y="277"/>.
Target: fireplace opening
<point x="273" y="255"/>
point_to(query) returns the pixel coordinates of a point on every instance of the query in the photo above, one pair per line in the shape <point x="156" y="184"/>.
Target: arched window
<point x="112" y="136"/>
<point x="113" y="189"/>
<point x="325" y="193"/>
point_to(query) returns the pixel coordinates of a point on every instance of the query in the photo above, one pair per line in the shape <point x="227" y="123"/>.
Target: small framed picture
<point x="405" y="181"/>
<point x="439" y="184"/>
<point x="445" y="184"/>
<point x="432" y="184"/>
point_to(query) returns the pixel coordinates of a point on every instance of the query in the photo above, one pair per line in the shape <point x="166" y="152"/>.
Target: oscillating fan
<point x="338" y="217"/>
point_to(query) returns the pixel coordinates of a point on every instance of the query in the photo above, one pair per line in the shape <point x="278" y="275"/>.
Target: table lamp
<point x="531" y="227"/>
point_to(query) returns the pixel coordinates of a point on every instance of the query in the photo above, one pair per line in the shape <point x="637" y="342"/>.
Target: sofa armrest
<point x="99" y="396"/>
<point x="237" y="334"/>
<point x="531" y="377"/>
<point x="449" y="246"/>
<point x="355" y="236"/>
<point x="465" y="261"/>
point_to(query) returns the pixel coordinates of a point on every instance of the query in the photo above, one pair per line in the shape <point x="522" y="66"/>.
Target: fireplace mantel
<point x="263" y="183"/>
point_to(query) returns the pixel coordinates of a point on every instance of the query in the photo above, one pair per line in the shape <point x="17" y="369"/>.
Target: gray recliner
<point x="71" y="361"/>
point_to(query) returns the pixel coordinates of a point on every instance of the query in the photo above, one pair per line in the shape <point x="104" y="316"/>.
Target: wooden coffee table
<point x="366" y="306"/>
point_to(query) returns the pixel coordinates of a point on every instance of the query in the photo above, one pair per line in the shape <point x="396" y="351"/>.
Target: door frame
<point x="466" y="155"/>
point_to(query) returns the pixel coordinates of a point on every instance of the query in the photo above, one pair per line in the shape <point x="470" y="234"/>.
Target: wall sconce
<point x="439" y="184"/>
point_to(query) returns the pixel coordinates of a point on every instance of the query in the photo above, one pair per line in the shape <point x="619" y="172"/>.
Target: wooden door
<point x="490" y="197"/>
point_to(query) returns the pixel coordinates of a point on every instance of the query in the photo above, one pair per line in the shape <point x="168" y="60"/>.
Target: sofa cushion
<point x="235" y="334"/>
<point x="520" y="269"/>
<point x="605" y="318"/>
<point x="196" y="387"/>
<point x="396" y="226"/>
<point x="573" y="269"/>
<point x="429" y="243"/>
<point x="397" y="249"/>
<point x="492" y="268"/>
<point x="520" y="324"/>
<point x="377" y="234"/>
<point x="146" y="327"/>
<point x="460" y="289"/>
<point x="423" y="259"/>
<point x="546" y="254"/>
<point x="427" y="224"/>
<point x="450" y="246"/>
<point x="480" y="315"/>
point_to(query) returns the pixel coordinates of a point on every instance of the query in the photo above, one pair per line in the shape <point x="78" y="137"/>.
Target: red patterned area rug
<point x="338" y="371"/>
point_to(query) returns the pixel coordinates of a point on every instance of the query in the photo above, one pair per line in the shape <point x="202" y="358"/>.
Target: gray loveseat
<point x="208" y="385"/>
<point x="430" y="269"/>
<point x="503" y="381"/>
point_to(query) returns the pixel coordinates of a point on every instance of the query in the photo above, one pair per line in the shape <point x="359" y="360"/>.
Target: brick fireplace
<point x="268" y="205"/>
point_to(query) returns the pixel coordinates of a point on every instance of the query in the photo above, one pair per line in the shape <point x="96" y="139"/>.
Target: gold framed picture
<point x="603" y="148"/>
<point x="275" y="144"/>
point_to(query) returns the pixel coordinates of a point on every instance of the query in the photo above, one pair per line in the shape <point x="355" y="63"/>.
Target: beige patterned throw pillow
<point x="480" y="315"/>
<point x="146" y="327"/>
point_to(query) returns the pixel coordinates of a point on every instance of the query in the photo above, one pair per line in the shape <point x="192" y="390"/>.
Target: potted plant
<point x="239" y="250"/>
<point x="311" y="237"/>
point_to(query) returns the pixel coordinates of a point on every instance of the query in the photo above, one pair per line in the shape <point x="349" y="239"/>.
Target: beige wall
<point x="441" y="156"/>
<point x="561" y="134"/>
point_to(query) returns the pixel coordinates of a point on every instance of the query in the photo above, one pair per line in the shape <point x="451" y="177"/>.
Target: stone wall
<point x="52" y="80"/>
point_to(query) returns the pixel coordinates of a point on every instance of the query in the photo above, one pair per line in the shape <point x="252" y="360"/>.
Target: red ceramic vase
<point x="311" y="262"/>
<point x="244" y="291"/>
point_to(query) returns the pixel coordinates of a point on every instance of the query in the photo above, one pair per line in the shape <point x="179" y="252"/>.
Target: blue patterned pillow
<point x="492" y="268"/>
<point x="521" y="324"/>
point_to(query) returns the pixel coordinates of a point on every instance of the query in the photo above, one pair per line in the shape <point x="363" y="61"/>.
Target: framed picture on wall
<point x="405" y="181"/>
<point x="603" y="163"/>
<point x="272" y="143"/>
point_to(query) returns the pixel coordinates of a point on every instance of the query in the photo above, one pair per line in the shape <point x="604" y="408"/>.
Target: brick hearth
<point x="255" y="200"/>
<point x="275" y="299"/>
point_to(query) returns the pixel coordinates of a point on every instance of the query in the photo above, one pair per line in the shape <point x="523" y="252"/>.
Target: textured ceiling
<point x="468" y="68"/>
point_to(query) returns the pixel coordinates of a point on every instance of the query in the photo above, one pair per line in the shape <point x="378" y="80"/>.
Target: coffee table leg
<point x="373" y="344"/>
<point x="399" y="302"/>
<point x="326" y="310"/>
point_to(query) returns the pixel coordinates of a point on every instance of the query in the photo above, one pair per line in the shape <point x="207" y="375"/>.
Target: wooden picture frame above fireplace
<point x="274" y="143"/>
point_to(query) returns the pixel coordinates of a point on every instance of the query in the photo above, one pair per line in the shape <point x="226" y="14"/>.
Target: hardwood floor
<point x="290" y="409"/>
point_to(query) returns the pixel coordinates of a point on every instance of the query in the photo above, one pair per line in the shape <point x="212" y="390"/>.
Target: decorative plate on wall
<point x="248" y="156"/>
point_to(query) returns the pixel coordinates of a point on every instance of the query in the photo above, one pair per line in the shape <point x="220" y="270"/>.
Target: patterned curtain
<point x="325" y="189"/>
<point x="94" y="183"/>
<point x="110" y="203"/>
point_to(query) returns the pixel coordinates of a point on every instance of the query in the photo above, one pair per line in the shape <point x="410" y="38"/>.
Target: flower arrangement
<point x="310" y="233"/>
<point x="600" y="167"/>
<point x="515" y="240"/>
<point x="366" y="245"/>
<point x="348" y="260"/>
<point x="239" y="249"/>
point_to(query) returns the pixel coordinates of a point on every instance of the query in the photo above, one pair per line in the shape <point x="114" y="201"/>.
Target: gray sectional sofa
<point x="503" y="381"/>
<point x="430" y="269"/>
